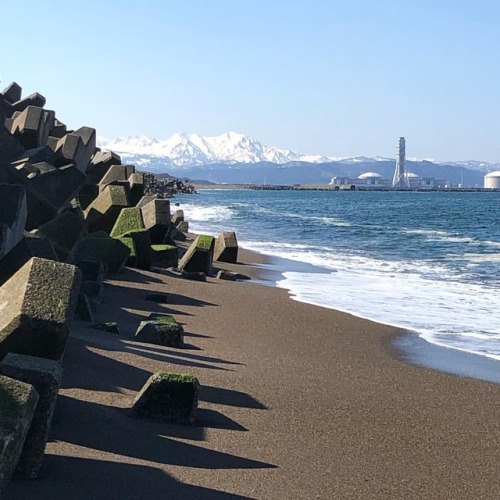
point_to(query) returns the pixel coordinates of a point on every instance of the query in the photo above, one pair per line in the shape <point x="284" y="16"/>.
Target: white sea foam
<point x="334" y="221"/>
<point x="429" y="232"/>
<point x="445" y="236"/>
<point x="332" y="259"/>
<point x="460" y="317"/>
<point x="495" y="244"/>
<point x="196" y="214"/>
<point x="481" y="258"/>
<point x="448" y="298"/>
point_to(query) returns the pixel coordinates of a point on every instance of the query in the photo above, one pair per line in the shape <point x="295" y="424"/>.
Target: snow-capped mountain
<point x="182" y="150"/>
<point x="201" y="157"/>
<point x="480" y="166"/>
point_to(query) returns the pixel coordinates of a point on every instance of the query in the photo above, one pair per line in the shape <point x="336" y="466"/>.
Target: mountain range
<point x="185" y="150"/>
<point x="236" y="158"/>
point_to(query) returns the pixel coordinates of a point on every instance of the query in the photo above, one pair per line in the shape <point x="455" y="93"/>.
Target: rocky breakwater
<point x="71" y="214"/>
<point x="166" y="186"/>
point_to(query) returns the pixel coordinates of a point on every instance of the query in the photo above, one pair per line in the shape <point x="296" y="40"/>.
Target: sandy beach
<point x="297" y="402"/>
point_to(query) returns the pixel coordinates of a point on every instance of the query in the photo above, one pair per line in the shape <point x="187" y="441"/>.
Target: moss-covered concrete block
<point x="165" y="255"/>
<point x="162" y="330"/>
<point x="168" y="396"/>
<point x="139" y="243"/>
<point x="198" y="257"/>
<point x="45" y="376"/>
<point x="132" y="251"/>
<point x="100" y="247"/>
<point x="17" y="406"/>
<point x="204" y="242"/>
<point x="226" y="247"/>
<point x="130" y="219"/>
<point x="38" y="304"/>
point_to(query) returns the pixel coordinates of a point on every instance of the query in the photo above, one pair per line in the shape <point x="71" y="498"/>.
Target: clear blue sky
<point x="340" y="78"/>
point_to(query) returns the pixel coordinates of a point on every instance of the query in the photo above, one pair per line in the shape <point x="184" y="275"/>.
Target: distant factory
<point x="402" y="178"/>
<point x="375" y="180"/>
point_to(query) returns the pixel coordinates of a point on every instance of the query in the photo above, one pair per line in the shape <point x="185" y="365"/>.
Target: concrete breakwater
<point x="70" y="216"/>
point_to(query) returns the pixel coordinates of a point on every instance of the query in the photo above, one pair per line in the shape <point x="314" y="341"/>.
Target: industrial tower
<point x="400" y="180"/>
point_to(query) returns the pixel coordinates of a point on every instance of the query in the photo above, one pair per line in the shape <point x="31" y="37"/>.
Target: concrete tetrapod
<point x="198" y="256"/>
<point x="17" y="406"/>
<point x="45" y="376"/>
<point x="37" y="306"/>
<point x="168" y="396"/>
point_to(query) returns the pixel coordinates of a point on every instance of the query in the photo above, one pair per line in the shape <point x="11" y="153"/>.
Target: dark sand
<point x="298" y="402"/>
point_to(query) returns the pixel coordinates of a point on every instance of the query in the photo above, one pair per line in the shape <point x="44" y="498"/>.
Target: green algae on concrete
<point x="160" y="329"/>
<point x="165" y="255"/>
<point x="168" y="396"/>
<point x="139" y="243"/>
<point x="198" y="257"/>
<point x="130" y="219"/>
<point x="164" y="319"/>
<point x="204" y="242"/>
<point x="160" y="248"/>
<point x="100" y="247"/>
<point x="129" y="243"/>
<point x="38" y="305"/>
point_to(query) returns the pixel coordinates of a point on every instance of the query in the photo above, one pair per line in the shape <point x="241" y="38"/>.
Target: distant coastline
<point x="327" y="187"/>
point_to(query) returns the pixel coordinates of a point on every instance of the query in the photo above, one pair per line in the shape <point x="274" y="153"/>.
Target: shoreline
<point x="414" y="349"/>
<point x="296" y="401"/>
<point x="406" y="344"/>
<point x="467" y="307"/>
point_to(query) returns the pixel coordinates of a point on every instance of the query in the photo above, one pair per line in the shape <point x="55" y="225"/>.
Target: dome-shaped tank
<point x="492" y="180"/>
<point x="370" y="175"/>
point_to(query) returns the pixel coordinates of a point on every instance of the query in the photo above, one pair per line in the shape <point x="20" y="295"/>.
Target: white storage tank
<point x="492" y="180"/>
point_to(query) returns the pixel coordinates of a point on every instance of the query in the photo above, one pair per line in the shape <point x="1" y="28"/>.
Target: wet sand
<point x="297" y="401"/>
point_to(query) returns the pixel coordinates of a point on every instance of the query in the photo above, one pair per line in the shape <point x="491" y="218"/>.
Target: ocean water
<point x="427" y="262"/>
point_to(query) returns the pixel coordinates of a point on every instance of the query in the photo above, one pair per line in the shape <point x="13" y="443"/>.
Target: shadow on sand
<point x="113" y="430"/>
<point x="74" y="478"/>
<point x="87" y="369"/>
<point x="108" y="429"/>
<point x="229" y="397"/>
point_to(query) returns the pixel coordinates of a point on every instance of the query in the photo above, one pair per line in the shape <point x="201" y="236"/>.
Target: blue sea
<point x="424" y="261"/>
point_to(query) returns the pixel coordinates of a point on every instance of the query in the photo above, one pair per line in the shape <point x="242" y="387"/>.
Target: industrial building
<point x="402" y="178"/>
<point x="492" y="180"/>
<point x="375" y="180"/>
